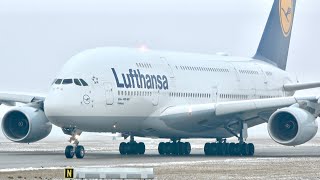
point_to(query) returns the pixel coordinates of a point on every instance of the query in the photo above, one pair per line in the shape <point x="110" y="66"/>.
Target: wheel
<point x="69" y="152"/>
<point x="141" y="148"/>
<point x="187" y="147"/>
<point x="221" y="149"/>
<point x="122" y="148"/>
<point x="207" y="149"/>
<point x="244" y="149"/>
<point x="80" y="152"/>
<point x="237" y="149"/>
<point x="135" y="147"/>
<point x="227" y="150"/>
<point x="232" y="149"/>
<point x="167" y="148"/>
<point x="161" y="148"/>
<point x="175" y="148"/>
<point x="251" y="149"/>
<point x="214" y="149"/>
<point x="181" y="148"/>
<point x="127" y="148"/>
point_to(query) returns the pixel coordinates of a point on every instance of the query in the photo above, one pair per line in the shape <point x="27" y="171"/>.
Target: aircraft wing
<point x="199" y="117"/>
<point x="11" y="99"/>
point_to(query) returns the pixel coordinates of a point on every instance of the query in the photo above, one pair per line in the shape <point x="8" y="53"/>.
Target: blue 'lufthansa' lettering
<point x="135" y="79"/>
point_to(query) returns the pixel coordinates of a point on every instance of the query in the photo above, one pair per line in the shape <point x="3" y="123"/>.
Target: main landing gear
<point x="228" y="149"/>
<point x="75" y="149"/>
<point x="174" y="148"/>
<point x="132" y="147"/>
<point x="222" y="148"/>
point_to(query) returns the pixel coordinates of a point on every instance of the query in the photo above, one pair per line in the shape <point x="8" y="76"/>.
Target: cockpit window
<point x="53" y="81"/>
<point x="83" y="82"/>
<point x="67" y="81"/>
<point x="77" y="82"/>
<point x="58" y="81"/>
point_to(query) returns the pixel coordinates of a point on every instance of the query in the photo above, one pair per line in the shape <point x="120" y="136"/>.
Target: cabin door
<point x="214" y="94"/>
<point x="109" y="93"/>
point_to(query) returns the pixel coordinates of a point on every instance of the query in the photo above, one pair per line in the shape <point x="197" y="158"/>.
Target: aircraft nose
<point x="52" y="104"/>
<point x="58" y="106"/>
<point x="60" y="102"/>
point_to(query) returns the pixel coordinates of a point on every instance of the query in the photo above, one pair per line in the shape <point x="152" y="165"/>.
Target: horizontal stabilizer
<point x="301" y="86"/>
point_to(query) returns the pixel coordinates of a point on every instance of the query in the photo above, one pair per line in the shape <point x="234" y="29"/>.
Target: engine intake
<point x="292" y="126"/>
<point x="25" y="125"/>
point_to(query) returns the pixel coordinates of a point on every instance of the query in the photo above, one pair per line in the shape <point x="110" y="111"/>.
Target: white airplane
<point x="175" y="96"/>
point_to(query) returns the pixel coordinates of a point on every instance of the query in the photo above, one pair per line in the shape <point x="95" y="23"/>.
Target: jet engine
<point x="25" y="124"/>
<point x="292" y="126"/>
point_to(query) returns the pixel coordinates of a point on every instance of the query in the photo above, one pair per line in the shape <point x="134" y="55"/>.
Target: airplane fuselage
<point x="128" y="89"/>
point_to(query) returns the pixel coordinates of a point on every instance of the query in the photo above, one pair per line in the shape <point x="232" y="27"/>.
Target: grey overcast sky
<point x="38" y="36"/>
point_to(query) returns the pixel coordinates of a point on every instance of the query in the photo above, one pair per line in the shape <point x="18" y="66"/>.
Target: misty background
<point x="37" y="37"/>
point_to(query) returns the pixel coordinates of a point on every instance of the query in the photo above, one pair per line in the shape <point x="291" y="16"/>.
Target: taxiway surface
<point x="272" y="161"/>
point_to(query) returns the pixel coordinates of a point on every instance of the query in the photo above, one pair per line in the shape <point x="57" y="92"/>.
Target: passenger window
<point x="67" y="81"/>
<point x="77" y="82"/>
<point x="58" y="81"/>
<point x="83" y="82"/>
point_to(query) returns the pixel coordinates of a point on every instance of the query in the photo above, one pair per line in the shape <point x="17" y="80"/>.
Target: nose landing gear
<point x="75" y="149"/>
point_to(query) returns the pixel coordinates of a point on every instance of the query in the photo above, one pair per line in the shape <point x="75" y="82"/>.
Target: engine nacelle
<point x="25" y="125"/>
<point x="292" y="126"/>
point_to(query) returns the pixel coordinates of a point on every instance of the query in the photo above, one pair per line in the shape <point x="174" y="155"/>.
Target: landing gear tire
<point x="80" y="152"/>
<point x="237" y="149"/>
<point x="187" y="148"/>
<point x="161" y="148"/>
<point x="141" y="148"/>
<point x="132" y="148"/>
<point x="207" y="150"/>
<point x="122" y="148"/>
<point x="251" y="149"/>
<point x="227" y="152"/>
<point x="221" y="149"/>
<point x="69" y="152"/>
<point x="232" y="149"/>
<point x="244" y="149"/>
<point x="174" y="148"/>
<point x="213" y="149"/>
<point x="167" y="148"/>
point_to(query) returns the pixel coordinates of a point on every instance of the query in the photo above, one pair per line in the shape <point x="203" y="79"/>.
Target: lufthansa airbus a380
<point x="174" y="96"/>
